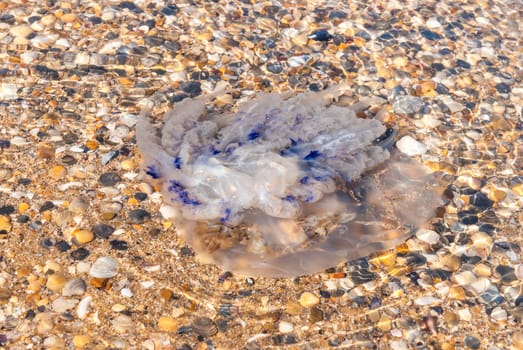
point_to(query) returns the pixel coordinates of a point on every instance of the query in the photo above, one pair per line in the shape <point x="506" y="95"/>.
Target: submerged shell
<point x="204" y="326"/>
<point x="104" y="267"/>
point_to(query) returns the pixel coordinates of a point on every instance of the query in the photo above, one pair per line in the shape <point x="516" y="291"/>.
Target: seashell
<point x="5" y="174"/>
<point x="204" y="326"/>
<point x="104" y="267"/>
<point x="83" y="307"/>
<point x="75" y="286"/>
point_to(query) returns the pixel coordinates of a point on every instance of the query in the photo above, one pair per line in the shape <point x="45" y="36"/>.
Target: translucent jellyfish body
<point x="284" y="186"/>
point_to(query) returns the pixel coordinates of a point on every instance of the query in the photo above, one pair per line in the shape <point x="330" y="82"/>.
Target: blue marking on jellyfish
<point x="289" y="198"/>
<point x="153" y="172"/>
<point x="226" y="216"/>
<point x="309" y="198"/>
<point x="177" y="162"/>
<point x="182" y="194"/>
<point x="312" y="155"/>
<point x="253" y="135"/>
<point x="305" y="180"/>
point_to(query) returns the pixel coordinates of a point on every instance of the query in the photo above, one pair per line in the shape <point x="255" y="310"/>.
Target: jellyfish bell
<point x="285" y="186"/>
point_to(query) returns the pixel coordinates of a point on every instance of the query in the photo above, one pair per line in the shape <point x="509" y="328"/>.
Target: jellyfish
<point x="285" y="185"/>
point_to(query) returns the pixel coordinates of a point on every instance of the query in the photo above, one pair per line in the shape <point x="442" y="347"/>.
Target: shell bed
<point x="284" y="186"/>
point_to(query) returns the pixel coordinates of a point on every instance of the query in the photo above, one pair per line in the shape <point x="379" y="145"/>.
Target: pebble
<point x="103" y="231"/>
<point x="80" y="254"/>
<point x="54" y="342"/>
<point x="78" y="205"/>
<point x="167" y="324"/>
<point x="499" y="314"/>
<point x="56" y="282"/>
<point x="407" y="104"/>
<point x="472" y="342"/>
<point x="427" y="300"/>
<point x="104" y="267"/>
<point x="20" y="31"/>
<point x="109" y="179"/>
<point x="285" y="327"/>
<point x="427" y="236"/>
<point x="123" y="324"/>
<point x="5" y="223"/>
<point x="82" y="237"/>
<point x="411" y="147"/>
<point x="139" y="216"/>
<point x="80" y="341"/>
<point x="8" y="91"/>
<point x="308" y="299"/>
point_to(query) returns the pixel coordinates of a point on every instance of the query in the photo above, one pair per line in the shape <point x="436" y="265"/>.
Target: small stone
<point x="465" y="278"/>
<point x="430" y="35"/>
<point x="139" y="216"/>
<point x="54" y="342"/>
<point x="48" y="20"/>
<point x="109" y="179"/>
<point x="308" y="299"/>
<point x="45" y="323"/>
<point x="45" y="151"/>
<point x="56" y="282"/>
<point x="82" y="237"/>
<point x="21" y="31"/>
<point x="8" y="91"/>
<point x="68" y="18"/>
<point x="456" y="293"/>
<point x="80" y="341"/>
<point x="57" y="172"/>
<point x="451" y="262"/>
<point x="472" y="342"/>
<point x="275" y="68"/>
<point x="427" y="236"/>
<point x="285" y="327"/>
<point x="78" y="205"/>
<point x="123" y="324"/>
<point x="432" y="23"/>
<point x="481" y="240"/>
<point x="48" y="205"/>
<point x="80" y="254"/>
<point x="5" y="223"/>
<point x="480" y="200"/>
<point x="503" y="88"/>
<point x="104" y="267"/>
<point x="320" y="35"/>
<point x="117" y="244"/>
<point x="167" y="324"/>
<point x="76" y="286"/>
<point x="499" y="314"/>
<point x="518" y="189"/>
<point x="103" y="230"/>
<point x="409" y="146"/>
<point x="407" y="104"/>
<point x="427" y="300"/>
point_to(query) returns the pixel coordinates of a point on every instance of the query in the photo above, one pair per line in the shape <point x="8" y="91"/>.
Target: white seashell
<point x="83" y="307"/>
<point x="75" y="286"/>
<point x="104" y="267"/>
<point x="62" y="304"/>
